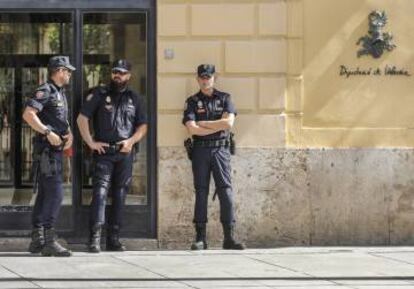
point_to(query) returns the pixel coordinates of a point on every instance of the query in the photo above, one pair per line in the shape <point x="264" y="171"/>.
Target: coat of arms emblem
<point x="376" y="42"/>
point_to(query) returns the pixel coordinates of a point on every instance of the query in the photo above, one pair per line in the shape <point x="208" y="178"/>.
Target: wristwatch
<point x="47" y="132"/>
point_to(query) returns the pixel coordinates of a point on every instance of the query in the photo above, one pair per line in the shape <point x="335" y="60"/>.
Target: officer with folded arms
<point x="209" y="115"/>
<point x="119" y="122"/>
<point x="47" y="113"/>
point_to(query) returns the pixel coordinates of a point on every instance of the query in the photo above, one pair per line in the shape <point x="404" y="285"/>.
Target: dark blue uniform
<point x="52" y="106"/>
<point x="115" y="116"/>
<point x="211" y="154"/>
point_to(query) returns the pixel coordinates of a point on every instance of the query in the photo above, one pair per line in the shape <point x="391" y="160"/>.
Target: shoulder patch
<point x="39" y="94"/>
<point x="42" y="92"/>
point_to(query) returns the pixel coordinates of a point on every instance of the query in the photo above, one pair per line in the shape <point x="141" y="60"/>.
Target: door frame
<point x="77" y="8"/>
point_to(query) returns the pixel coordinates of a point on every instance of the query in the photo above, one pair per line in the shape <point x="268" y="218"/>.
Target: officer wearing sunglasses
<point x="119" y="122"/>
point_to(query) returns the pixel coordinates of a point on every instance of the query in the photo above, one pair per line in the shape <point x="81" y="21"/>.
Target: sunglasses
<point x="65" y="70"/>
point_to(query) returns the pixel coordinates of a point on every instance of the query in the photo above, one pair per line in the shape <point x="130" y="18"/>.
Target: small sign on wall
<point x="375" y="43"/>
<point x="387" y="70"/>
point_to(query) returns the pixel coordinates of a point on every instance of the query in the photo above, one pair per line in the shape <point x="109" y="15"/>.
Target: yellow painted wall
<point x="336" y="111"/>
<point x="280" y="61"/>
<point x="248" y="43"/>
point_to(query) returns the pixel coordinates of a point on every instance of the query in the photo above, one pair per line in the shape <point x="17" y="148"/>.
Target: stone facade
<point x="287" y="197"/>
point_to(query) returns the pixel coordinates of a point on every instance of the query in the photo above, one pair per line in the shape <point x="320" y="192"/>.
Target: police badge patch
<point x="200" y="108"/>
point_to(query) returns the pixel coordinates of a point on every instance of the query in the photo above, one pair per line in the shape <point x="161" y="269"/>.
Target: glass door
<point x="108" y="36"/>
<point x="92" y="39"/>
<point x="27" y="41"/>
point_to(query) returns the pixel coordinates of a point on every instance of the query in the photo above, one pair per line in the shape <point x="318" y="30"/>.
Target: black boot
<point x="112" y="240"/>
<point x="38" y="240"/>
<point x="200" y="242"/>
<point x="229" y="242"/>
<point x="52" y="247"/>
<point x="94" y="245"/>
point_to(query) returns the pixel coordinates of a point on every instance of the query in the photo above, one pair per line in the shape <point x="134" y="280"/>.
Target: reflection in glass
<point x="6" y="94"/>
<point x="27" y="40"/>
<point x="107" y="37"/>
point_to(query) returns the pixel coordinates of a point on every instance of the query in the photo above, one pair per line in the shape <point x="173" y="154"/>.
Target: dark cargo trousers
<point x="215" y="161"/>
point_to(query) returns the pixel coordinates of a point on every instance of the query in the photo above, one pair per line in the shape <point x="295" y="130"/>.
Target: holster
<point x="43" y="161"/>
<point x="188" y="144"/>
<point x="48" y="164"/>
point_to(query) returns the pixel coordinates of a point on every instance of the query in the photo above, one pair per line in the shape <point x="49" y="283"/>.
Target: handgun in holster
<point x="43" y="164"/>
<point x="48" y="164"/>
<point x="188" y="144"/>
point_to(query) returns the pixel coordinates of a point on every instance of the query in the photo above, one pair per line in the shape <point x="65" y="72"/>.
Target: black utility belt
<point x="211" y="143"/>
<point x="112" y="149"/>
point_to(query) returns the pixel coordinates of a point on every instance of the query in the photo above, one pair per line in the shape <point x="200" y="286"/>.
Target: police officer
<point x="209" y="115"/>
<point x="47" y="113"/>
<point x="119" y="122"/>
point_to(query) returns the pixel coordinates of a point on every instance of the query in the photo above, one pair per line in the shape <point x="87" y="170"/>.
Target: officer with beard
<point x="119" y="122"/>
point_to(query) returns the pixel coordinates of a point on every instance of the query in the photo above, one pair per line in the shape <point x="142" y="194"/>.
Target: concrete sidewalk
<point x="288" y="268"/>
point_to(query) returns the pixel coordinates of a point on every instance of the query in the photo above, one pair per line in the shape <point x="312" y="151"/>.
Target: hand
<point x="54" y="139"/>
<point x="68" y="140"/>
<point x="127" y="145"/>
<point x="98" y="146"/>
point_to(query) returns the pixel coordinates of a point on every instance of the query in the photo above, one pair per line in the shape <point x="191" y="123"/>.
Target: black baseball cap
<point x="204" y="70"/>
<point x="121" y="65"/>
<point x="60" y="61"/>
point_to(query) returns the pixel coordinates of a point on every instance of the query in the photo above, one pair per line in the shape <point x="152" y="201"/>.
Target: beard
<point x="118" y="85"/>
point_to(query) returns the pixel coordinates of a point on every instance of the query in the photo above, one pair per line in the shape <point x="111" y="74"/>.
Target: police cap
<point x="206" y="70"/>
<point x="121" y="65"/>
<point x="60" y="61"/>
